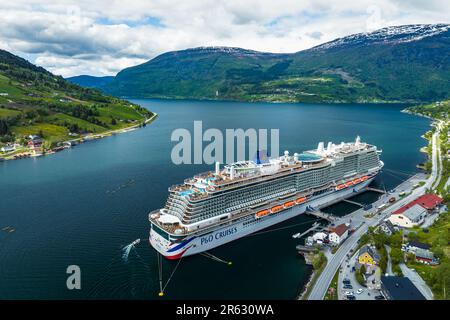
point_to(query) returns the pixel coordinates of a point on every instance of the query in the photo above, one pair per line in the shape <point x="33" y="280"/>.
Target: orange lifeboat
<point x="364" y="178"/>
<point x="289" y="204"/>
<point x="341" y="186"/>
<point x="348" y="184"/>
<point x="356" y="181"/>
<point x="262" y="213"/>
<point x="276" y="209"/>
<point x="300" y="200"/>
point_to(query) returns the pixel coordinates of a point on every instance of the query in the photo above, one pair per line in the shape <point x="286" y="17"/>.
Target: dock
<point x="321" y="215"/>
<point x="315" y="226"/>
<point x="300" y="248"/>
<point x="353" y="202"/>
<point x="375" y="190"/>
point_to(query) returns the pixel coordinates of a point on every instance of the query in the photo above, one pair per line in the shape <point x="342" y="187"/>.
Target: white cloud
<point x="102" y="37"/>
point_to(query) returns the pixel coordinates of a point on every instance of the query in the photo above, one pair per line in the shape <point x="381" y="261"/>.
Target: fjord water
<point x="83" y="206"/>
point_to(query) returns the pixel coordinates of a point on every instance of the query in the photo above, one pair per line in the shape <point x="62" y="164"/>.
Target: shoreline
<point x="72" y="142"/>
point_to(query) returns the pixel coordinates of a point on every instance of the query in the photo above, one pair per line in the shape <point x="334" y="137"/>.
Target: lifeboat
<point x="289" y="204"/>
<point x="300" y="200"/>
<point x="348" y="184"/>
<point x="262" y="213"/>
<point x="340" y="187"/>
<point x="356" y="181"/>
<point x="276" y="209"/>
<point x="364" y="178"/>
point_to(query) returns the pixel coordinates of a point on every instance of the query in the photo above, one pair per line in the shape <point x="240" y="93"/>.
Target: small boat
<point x="297" y="235"/>
<point x="135" y="242"/>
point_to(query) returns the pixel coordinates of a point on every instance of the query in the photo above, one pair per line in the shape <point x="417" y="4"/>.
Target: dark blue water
<point x="82" y="206"/>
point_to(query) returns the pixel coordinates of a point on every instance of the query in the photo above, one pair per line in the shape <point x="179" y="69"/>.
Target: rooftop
<point x="339" y="230"/>
<point x="414" y="212"/>
<point x="420" y="245"/>
<point x="401" y="288"/>
<point x="428" y="201"/>
<point x="370" y="251"/>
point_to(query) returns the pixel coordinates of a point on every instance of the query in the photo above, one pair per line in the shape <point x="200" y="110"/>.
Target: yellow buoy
<point x="161" y="294"/>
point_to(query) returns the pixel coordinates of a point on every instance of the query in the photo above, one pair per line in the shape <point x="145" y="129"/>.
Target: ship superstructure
<point x="216" y="207"/>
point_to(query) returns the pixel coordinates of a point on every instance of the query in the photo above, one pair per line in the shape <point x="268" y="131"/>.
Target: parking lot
<point x="346" y="272"/>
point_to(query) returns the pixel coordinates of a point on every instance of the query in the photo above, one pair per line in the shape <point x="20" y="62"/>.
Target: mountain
<point x="33" y="101"/>
<point x="394" y="64"/>
<point x="90" y="81"/>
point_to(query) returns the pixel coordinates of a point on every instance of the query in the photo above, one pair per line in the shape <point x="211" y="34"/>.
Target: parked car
<point x="359" y="291"/>
<point x="380" y="297"/>
<point x="349" y="293"/>
<point x="351" y="297"/>
<point x="348" y="286"/>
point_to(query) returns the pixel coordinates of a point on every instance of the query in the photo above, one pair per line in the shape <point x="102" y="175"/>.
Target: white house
<point x="338" y="234"/>
<point x="8" y="148"/>
<point x="409" y="218"/>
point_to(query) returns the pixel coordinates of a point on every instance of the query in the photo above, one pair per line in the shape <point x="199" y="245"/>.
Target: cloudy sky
<point x="101" y="37"/>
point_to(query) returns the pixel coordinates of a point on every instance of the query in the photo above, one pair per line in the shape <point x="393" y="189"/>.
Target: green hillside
<point x="395" y="64"/>
<point x="34" y="101"/>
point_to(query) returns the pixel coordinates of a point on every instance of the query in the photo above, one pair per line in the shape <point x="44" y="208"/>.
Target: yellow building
<point x="368" y="256"/>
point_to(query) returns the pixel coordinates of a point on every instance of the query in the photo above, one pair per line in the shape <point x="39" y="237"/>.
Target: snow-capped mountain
<point x="388" y="35"/>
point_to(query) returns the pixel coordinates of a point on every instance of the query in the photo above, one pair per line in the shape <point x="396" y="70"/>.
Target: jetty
<point x="314" y="227"/>
<point x="375" y="190"/>
<point x="353" y="202"/>
<point x="321" y="215"/>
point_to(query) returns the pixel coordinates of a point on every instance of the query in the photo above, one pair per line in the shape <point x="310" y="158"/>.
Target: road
<point x="335" y="260"/>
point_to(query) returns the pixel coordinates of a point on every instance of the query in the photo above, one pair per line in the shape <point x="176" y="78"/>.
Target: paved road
<point x="323" y="282"/>
<point x="389" y="263"/>
<point x="418" y="281"/>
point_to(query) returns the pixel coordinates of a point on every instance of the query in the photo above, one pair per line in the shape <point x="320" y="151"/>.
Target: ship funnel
<point x="296" y="157"/>
<point x="217" y="168"/>
<point x="320" y="148"/>
<point x="357" y="141"/>
<point x="329" y="146"/>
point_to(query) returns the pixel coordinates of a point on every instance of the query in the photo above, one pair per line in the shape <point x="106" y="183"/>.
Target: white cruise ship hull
<point x="197" y="243"/>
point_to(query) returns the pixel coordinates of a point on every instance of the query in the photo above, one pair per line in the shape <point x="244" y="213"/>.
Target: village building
<point x="414" y="213"/>
<point x="411" y="217"/>
<point x="400" y="288"/>
<point x="8" y="148"/>
<point x="426" y="257"/>
<point x="387" y="227"/>
<point x="368" y="256"/>
<point x="412" y="246"/>
<point x="338" y="234"/>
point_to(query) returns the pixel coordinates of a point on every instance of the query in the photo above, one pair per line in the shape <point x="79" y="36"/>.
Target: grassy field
<point x="7" y="113"/>
<point x="34" y="101"/>
<point x="438" y="236"/>
<point x="50" y="132"/>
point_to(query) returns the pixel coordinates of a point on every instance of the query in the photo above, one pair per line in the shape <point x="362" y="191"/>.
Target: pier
<point x="353" y="202"/>
<point x="314" y="227"/>
<point x="321" y="215"/>
<point x="375" y="190"/>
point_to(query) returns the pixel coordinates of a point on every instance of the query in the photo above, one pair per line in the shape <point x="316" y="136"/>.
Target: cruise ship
<point x="216" y="207"/>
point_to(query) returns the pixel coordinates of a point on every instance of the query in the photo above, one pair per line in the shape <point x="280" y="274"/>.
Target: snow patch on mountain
<point x="394" y="35"/>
